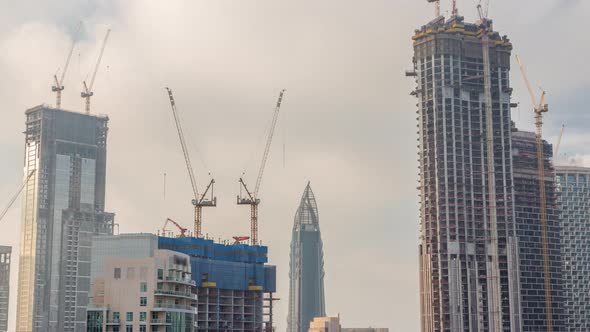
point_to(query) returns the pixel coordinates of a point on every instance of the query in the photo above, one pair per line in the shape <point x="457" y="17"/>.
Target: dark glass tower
<point x="306" y="292"/>
<point x="528" y="228"/>
<point x="573" y="199"/>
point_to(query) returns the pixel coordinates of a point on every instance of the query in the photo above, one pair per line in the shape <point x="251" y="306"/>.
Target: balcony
<point x="183" y="281"/>
<point x="174" y="307"/>
<point x="160" y="322"/>
<point x="113" y="322"/>
<point x="186" y="295"/>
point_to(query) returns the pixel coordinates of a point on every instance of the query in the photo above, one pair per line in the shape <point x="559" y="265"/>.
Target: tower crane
<point x="540" y="108"/>
<point x="485" y="28"/>
<point x="436" y="7"/>
<point x="556" y="153"/>
<point x="13" y="199"/>
<point x="251" y="197"/>
<point x="87" y="93"/>
<point x="198" y="201"/>
<point x="180" y="228"/>
<point x="59" y="87"/>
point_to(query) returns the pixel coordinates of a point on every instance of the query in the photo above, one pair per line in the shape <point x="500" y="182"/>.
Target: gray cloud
<point x="348" y="123"/>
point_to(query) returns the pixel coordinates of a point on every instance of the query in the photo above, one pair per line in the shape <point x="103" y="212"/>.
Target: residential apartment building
<point x="573" y="198"/>
<point x="179" y="285"/>
<point x="137" y="287"/>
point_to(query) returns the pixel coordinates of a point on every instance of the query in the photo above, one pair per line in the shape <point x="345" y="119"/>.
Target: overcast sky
<point x="348" y="124"/>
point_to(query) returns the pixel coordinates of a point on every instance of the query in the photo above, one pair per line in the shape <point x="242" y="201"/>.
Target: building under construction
<point x="63" y="207"/>
<point x="468" y="247"/>
<point x="528" y="228"/>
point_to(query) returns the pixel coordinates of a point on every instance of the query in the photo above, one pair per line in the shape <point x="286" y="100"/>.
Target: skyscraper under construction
<point x="63" y="207"/>
<point x="469" y="278"/>
<point x="306" y="275"/>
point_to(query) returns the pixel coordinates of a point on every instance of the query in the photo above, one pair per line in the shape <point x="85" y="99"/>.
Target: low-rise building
<point x="137" y="287"/>
<point x="325" y="324"/>
<point x="142" y="282"/>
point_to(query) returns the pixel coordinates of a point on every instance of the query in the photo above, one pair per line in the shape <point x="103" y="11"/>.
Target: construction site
<point x="489" y="233"/>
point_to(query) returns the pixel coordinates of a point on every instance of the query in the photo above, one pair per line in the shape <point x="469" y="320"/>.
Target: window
<point x="143" y="287"/>
<point x="143" y="301"/>
<point x="129" y="316"/>
<point x="129" y="328"/>
<point x="115" y="316"/>
<point x="154" y="328"/>
<point x="142" y="328"/>
<point x="117" y="273"/>
<point x="160" y="274"/>
<point x="154" y="315"/>
<point x="142" y="316"/>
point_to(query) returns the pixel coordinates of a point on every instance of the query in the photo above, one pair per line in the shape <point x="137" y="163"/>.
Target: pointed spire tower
<point x="306" y="275"/>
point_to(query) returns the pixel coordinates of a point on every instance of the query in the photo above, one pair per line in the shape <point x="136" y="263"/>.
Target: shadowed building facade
<point x="306" y="274"/>
<point x="62" y="207"/>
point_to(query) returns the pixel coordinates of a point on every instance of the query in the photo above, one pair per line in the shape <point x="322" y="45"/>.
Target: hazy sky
<point x="348" y="123"/>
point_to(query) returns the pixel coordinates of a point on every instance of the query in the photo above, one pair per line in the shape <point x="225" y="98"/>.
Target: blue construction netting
<point x="204" y="248"/>
<point x="233" y="267"/>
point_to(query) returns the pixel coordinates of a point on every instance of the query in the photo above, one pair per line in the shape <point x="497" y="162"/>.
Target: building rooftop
<point x="49" y="107"/>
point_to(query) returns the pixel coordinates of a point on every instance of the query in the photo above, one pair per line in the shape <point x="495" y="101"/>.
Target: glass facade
<point x="573" y="199"/>
<point x="63" y="206"/>
<point x="306" y="292"/>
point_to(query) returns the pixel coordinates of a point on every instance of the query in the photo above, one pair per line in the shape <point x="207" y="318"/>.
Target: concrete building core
<point x="528" y="227"/>
<point x="573" y="199"/>
<point x="63" y="206"/>
<point x="458" y="275"/>
<point x="5" y="259"/>
<point x="306" y="273"/>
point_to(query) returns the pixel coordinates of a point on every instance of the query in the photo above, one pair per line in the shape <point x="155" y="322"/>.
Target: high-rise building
<point x="5" y="253"/>
<point x="573" y="198"/>
<point x="306" y="274"/>
<point x="63" y="206"/>
<point x="528" y="228"/>
<point x="468" y="247"/>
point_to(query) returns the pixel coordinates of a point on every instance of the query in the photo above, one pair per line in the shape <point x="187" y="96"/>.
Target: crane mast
<point x="87" y="93"/>
<point x="251" y="198"/>
<point x="198" y="201"/>
<point x="492" y="241"/>
<point x="539" y="109"/>
<point x="436" y="7"/>
<point x="558" y="145"/>
<point x="59" y="87"/>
